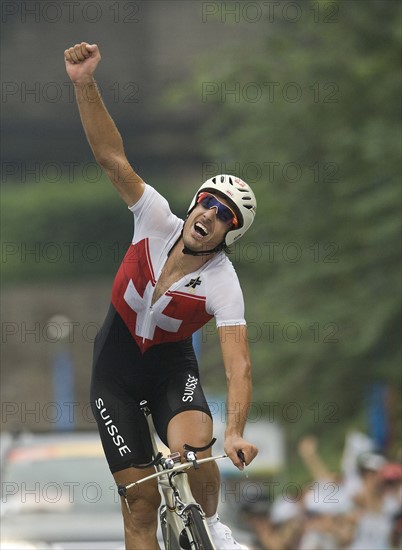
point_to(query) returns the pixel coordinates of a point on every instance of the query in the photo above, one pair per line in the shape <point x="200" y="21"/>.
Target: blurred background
<point x="301" y="100"/>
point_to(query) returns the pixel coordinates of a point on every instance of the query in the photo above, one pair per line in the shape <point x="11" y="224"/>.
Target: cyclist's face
<point x="203" y="230"/>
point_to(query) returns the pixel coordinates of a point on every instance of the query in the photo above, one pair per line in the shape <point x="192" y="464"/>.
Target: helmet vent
<point x="249" y="206"/>
<point x="242" y="190"/>
<point x="230" y="181"/>
<point x="246" y="198"/>
<point x="214" y="180"/>
<point x="222" y="179"/>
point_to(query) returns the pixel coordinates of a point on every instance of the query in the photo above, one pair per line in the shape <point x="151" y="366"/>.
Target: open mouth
<point x="200" y="229"/>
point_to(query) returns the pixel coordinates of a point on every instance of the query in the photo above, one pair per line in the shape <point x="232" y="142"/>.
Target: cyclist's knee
<point x="191" y="427"/>
<point x="140" y="507"/>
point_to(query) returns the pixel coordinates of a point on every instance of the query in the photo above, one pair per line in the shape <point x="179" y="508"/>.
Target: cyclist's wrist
<point x="233" y="433"/>
<point x="84" y="80"/>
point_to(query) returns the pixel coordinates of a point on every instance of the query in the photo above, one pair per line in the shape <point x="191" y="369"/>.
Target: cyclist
<point x="174" y="278"/>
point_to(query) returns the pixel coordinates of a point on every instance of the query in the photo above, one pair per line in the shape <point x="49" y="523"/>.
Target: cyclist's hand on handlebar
<point x="81" y="61"/>
<point x="240" y="451"/>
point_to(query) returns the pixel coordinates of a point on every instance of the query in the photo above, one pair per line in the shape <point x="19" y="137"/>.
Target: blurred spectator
<point x="254" y="515"/>
<point x="286" y="522"/>
<point x="391" y="479"/>
<point x="374" y="523"/>
<point x="396" y="535"/>
<point x="391" y="484"/>
<point x="308" y="451"/>
<point x="328" y="524"/>
<point x="281" y="528"/>
<point x="356" y="444"/>
<point x="359" y="513"/>
<point x="359" y="509"/>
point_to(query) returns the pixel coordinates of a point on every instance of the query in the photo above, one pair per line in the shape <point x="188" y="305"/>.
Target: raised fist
<point x="81" y="61"/>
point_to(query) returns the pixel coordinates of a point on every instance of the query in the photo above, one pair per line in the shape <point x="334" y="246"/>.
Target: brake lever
<point x="190" y="456"/>
<point x="190" y="452"/>
<point x="240" y="454"/>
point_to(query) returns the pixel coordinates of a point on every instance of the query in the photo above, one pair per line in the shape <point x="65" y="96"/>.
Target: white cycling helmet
<point x="240" y="197"/>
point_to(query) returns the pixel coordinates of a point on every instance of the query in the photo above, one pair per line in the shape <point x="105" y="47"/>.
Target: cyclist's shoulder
<point x="152" y="213"/>
<point x="149" y="195"/>
<point x="221" y="272"/>
<point x="221" y="263"/>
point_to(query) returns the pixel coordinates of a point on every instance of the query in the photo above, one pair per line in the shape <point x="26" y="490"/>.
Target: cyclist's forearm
<point x="239" y="394"/>
<point x="100" y="129"/>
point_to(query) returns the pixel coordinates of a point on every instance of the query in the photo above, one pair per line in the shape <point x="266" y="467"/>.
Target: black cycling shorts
<point x="122" y="377"/>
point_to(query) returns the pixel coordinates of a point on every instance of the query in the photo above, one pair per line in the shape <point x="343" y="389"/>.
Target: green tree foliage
<point x="308" y="112"/>
<point x="56" y="231"/>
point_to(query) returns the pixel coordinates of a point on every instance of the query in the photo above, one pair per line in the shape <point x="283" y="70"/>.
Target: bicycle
<point x="182" y="519"/>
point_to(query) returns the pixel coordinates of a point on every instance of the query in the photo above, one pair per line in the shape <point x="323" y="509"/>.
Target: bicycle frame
<point x="179" y="508"/>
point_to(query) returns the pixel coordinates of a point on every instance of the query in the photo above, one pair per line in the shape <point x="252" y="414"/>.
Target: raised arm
<point x="103" y="137"/>
<point x="308" y="451"/>
<point x="234" y="346"/>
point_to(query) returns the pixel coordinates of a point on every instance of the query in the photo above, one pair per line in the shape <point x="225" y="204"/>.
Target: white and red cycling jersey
<point x="212" y="291"/>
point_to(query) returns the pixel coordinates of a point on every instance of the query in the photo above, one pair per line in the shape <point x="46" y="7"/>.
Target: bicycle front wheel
<point x="196" y="526"/>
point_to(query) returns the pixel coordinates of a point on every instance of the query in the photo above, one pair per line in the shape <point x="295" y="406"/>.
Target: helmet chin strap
<point x="202" y="252"/>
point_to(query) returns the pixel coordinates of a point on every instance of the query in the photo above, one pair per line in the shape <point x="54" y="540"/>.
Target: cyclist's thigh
<point x="182" y="404"/>
<point x="116" y="394"/>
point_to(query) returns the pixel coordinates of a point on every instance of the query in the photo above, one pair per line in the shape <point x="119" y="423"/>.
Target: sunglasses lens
<point x="208" y="201"/>
<point x="223" y="213"/>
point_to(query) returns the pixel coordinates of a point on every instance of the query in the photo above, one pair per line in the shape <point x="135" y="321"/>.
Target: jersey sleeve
<point x="225" y="297"/>
<point x="153" y="217"/>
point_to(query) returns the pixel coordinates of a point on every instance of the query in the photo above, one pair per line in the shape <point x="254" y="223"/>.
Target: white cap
<point x="283" y="510"/>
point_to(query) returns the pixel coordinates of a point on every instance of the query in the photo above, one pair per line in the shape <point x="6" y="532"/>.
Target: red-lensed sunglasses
<point x="223" y="212"/>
